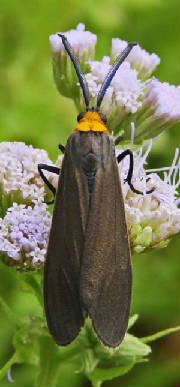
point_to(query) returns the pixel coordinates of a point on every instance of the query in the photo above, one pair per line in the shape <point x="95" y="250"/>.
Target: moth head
<point x="80" y="116"/>
<point x="102" y="116"/>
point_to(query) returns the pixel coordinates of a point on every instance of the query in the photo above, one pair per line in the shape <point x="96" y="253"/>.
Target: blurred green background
<point x="32" y="111"/>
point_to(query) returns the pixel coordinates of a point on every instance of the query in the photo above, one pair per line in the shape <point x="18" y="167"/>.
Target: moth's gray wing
<point x="106" y="266"/>
<point x="62" y="267"/>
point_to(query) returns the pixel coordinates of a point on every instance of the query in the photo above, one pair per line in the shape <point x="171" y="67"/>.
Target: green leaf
<point x="65" y="78"/>
<point x="132" y="320"/>
<point x="132" y="347"/>
<point x="26" y="340"/>
<point x="31" y="282"/>
<point x="89" y="362"/>
<point x="87" y="335"/>
<point x="49" y="365"/>
<point x="26" y="348"/>
<point x="99" y="375"/>
<point x="158" y="335"/>
<point x="162" y="244"/>
<point x="12" y="317"/>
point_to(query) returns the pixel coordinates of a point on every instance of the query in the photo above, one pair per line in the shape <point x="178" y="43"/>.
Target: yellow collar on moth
<point x="91" y="122"/>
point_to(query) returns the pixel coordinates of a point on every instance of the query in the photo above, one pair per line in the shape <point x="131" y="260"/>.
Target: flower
<point x="83" y="43"/>
<point x="123" y="96"/>
<point x="139" y="58"/>
<point x="160" y="109"/>
<point x="24" y="234"/>
<point x="131" y="97"/>
<point x="19" y="177"/>
<point x="153" y="218"/>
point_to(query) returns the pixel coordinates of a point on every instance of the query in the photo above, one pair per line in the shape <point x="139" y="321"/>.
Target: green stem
<point x="33" y="284"/>
<point x="158" y="335"/>
<point x="51" y="360"/>
<point x="7" y="366"/>
<point x="13" y="318"/>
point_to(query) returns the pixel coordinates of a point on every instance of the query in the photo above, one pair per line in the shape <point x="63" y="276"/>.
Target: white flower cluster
<point x="163" y="99"/>
<point x="151" y="218"/>
<point x="83" y="42"/>
<point x="123" y="95"/>
<point x="24" y="228"/>
<point x="159" y="111"/>
<point x="19" y="176"/>
<point x="24" y="233"/>
<point x="139" y="58"/>
<point x="131" y="97"/>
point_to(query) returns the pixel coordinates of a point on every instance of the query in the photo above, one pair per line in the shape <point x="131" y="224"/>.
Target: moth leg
<point x="118" y="139"/>
<point x="120" y="157"/>
<point x="52" y="169"/>
<point x="61" y="147"/>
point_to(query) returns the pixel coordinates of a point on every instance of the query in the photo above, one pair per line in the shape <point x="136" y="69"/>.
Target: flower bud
<point x="83" y="45"/>
<point x="159" y="111"/>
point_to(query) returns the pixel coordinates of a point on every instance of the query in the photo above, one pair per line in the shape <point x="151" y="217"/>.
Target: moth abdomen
<point x="90" y="180"/>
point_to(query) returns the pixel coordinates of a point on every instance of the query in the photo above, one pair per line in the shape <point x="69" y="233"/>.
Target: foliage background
<point x="32" y="111"/>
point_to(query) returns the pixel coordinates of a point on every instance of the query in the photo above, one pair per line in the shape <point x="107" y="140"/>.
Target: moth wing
<point x="106" y="269"/>
<point x="62" y="267"/>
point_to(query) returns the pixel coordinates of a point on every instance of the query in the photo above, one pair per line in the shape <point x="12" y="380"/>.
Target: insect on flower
<point x="88" y="264"/>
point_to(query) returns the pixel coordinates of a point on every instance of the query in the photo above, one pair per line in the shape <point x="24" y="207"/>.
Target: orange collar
<point x="91" y="122"/>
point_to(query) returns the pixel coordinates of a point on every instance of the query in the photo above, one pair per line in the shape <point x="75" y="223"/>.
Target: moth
<point x="88" y="265"/>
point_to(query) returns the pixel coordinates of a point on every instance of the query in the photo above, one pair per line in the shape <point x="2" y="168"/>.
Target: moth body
<point x="88" y="269"/>
<point x="88" y="266"/>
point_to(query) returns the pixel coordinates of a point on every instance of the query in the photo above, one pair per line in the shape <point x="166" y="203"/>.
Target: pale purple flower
<point x="24" y="233"/>
<point x="10" y="379"/>
<point x="19" y="177"/>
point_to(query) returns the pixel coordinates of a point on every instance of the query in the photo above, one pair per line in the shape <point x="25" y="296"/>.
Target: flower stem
<point x="33" y="284"/>
<point x="158" y="335"/>
<point x="51" y="360"/>
<point x="13" y="318"/>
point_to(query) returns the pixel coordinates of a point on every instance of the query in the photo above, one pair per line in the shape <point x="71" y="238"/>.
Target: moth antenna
<point x="112" y="73"/>
<point x="77" y="69"/>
